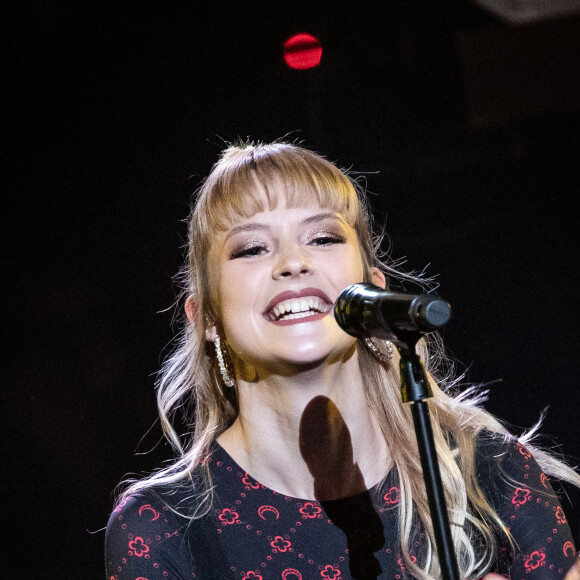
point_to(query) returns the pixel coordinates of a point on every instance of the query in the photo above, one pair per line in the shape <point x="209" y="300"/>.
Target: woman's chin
<point x="310" y="356"/>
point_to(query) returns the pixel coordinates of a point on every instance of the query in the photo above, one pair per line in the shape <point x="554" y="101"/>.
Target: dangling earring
<point x="228" y="381"/>
<point x="384" y="357"/>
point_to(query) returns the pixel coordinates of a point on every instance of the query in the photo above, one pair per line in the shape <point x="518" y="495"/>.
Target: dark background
<point x="466" y="124"/>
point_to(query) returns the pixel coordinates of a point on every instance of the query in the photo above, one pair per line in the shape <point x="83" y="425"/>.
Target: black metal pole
<point x="435" y="495"/>
<point x="415" y="389"/>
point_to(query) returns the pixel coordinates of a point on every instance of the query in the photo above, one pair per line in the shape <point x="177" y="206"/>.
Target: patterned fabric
<point x="254" y="533"/>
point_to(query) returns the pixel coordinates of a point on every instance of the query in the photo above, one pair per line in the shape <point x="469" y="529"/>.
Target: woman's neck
<point x="311" y="435"/>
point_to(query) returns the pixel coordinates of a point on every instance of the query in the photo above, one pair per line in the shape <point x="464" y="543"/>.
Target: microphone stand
<point x="415" y="389"/>
<point x="367" y="310"/>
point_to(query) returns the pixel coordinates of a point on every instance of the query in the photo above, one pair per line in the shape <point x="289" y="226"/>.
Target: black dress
<point x="255" y="533"/>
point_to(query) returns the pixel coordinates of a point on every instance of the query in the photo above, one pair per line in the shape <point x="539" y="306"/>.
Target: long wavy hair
<point x="250" y="178"/>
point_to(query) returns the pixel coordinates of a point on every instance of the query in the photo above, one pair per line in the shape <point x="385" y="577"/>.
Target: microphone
<point x="365" y="310"/>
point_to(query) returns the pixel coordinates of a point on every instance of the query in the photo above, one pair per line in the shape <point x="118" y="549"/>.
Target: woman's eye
<point x="248" y="252"/>
<point x="327" y="240"/>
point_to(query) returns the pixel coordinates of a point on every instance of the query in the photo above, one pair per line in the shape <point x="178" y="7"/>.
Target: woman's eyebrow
<point x="253" y="227"/>
<point x="258" y="227"/>
<point x="319" y="217"/>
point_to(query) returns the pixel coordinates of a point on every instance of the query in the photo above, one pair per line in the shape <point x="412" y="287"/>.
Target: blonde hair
<point x="250" y="178"/>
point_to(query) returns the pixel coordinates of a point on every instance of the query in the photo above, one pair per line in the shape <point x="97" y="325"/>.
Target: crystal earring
<point x="228" y="381"/>
<point x="384" y="357"/>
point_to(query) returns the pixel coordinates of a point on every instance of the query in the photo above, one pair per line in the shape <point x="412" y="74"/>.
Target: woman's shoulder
<point x="161" y="530"/>
<point x="504" y="467"/>
<point x="145" y="533"/>
<point x="146" y="514"/>
<point x="522" y="496"/>
<point x="495" y="450"/>
<point x="177" y="501"/>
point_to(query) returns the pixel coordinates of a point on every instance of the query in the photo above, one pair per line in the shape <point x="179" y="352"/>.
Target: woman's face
<point x="274" y="278"/>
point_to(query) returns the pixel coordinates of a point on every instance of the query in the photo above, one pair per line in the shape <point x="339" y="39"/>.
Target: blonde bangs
<point x="249" y="180"/>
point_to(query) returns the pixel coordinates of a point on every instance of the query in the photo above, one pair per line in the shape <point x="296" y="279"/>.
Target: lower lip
<point x="292" y="321"/>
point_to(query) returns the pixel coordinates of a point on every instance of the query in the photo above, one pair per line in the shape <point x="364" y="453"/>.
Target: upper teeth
<point x="296" y="305"/>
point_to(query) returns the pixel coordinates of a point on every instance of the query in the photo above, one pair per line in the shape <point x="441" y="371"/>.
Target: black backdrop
<point x="465" y="125"/>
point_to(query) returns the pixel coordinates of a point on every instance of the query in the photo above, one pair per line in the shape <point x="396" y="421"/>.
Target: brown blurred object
<point x="522" y="11"/>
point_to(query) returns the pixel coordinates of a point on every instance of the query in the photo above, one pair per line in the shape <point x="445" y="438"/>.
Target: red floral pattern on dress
<point x="138" y="547"/>
<point x="331" y="573"/>
<point x="569" y="546"/>
<point x="392" y="496"/>
<point x="263" y="510"/>
<point x="252" y="576"/>
<point x="309" y="510"/>
<point x="248" y="481"/>
<point x="147" y="507"/>
<point x="521" y="496"/>
<point x="401" y="561"/>
<point x="535" y="560"/>
<point x="228" y="517"/>
<point x="280" y="544"/>
<point x="525" y="452"/>
<point x="120" y="507"/>
<point x="561" y="516"/>
<point x="291" y="574"/>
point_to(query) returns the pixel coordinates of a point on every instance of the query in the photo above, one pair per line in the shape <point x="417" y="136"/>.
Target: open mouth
<point x="296" y="308"/>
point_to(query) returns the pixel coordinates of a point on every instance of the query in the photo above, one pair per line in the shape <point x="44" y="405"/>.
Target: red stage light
<point x="302" y="51"/>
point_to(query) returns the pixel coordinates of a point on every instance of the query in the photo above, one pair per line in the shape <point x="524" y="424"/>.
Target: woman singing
<point x="299" y="459"/>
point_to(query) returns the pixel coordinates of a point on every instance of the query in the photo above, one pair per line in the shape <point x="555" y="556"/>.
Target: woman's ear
<point x="190" y="309"/>
<point x="378" y="278"/>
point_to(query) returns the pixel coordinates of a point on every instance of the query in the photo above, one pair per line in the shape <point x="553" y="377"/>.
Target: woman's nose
<point x="292" y="261"/>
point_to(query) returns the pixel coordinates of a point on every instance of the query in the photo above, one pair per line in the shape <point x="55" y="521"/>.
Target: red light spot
<point x="302" y="51"/>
